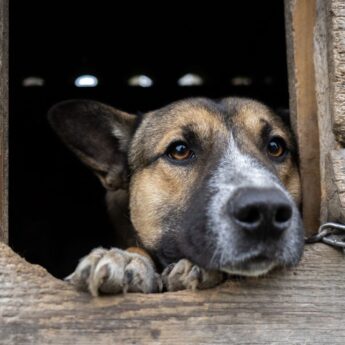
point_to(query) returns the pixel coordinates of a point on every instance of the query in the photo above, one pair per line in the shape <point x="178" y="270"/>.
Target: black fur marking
<point x="188" y="236"/>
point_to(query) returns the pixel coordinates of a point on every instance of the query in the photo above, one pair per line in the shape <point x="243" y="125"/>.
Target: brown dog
<point x="212" y="187"/>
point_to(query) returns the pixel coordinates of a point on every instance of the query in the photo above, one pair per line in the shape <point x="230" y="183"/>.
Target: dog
<point x="212" y="189"/>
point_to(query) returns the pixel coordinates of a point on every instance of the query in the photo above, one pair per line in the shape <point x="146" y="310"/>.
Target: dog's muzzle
<point x="257" y="229"/>
<point x="262" y="217"/>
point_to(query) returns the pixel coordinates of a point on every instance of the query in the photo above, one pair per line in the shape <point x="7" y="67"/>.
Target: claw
<point x="101" y="275"/>
<point x="69" y="278"/>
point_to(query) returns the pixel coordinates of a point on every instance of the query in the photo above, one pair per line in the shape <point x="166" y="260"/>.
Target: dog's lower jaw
<point x="251" y="269"/>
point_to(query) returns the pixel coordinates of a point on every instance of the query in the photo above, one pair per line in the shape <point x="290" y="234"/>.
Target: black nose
<point x="261" y="212"/>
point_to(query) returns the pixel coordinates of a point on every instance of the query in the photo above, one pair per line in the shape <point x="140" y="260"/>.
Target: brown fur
<point x="130" y="158"/>
<point x="160" y="186"/>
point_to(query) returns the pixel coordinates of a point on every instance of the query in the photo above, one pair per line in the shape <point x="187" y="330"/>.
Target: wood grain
<point x="4" y="121"/>
<point x="335" y="172"/>
<point x="336" y="11"/>
<point x="305" y="305"/>
<point x="322" y="50"/>
<point x="300" y="21"/>
<point x="329" y="62"/>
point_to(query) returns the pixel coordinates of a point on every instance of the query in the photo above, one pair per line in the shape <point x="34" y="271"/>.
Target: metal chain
<point x="332" y="234"/>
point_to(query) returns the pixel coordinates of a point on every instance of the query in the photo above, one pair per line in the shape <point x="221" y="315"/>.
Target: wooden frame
<point x="302" y="305"/>
<point x="316" y="60"/>
<point x="300" y="20"/>
<point x="4" y="121"/>
<point x="330" y="71"/>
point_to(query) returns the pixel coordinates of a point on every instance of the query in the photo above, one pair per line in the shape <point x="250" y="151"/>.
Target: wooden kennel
<point x="301" y="306"/>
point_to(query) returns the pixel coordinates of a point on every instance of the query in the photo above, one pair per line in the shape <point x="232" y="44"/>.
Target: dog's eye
<point x="276" y="147"/>
<point x="179" y="151"/>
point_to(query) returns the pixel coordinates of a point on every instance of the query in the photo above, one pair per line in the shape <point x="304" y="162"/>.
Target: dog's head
<point x="214" y="182"/>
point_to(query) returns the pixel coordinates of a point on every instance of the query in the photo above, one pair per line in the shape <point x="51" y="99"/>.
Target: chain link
<point x="332" y="234"/>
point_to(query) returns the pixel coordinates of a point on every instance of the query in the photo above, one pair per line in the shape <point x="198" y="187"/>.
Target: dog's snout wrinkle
<point x="261" y="212"/>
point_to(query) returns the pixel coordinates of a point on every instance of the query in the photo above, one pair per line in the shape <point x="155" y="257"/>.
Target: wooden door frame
<point x="4" y="121"/>
<point x="316" y="64"/>
<point x="307" y="103"/>
<point x="315" y="31"/>
<point x="300" y="21"/>
<point x="304" y="304"/>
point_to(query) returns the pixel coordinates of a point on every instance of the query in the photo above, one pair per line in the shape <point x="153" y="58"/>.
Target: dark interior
<point x="57" y="209"/>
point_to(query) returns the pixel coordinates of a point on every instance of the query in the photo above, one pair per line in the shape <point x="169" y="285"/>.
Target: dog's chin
<point x="250" y="268"/>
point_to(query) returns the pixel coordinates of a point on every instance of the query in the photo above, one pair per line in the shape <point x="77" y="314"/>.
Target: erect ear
<point x="99" y="135"/>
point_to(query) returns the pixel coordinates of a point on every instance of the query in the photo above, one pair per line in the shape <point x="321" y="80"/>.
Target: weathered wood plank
<point x="322" y="47"/>
<point x="336" y="29"/>
<point x="3" y="120"/>
<point x="305" y="305"/>
<point x="335" y="171"/>
<point x="300" y="21"/>
<point x="329" y="60"/>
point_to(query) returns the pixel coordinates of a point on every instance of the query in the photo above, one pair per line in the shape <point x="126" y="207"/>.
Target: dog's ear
<point x="99" y="135"/>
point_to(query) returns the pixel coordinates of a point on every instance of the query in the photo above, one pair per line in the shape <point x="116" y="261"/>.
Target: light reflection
<point x="241" y="81"/>
<point x="140" y="80"/>
<point x="86" y="80"/>
<point x="33" y="81"/>
<point x="190" y="79"/>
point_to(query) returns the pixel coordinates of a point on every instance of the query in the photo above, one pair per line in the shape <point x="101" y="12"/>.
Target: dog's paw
<point x="114" y="271"/>
<point x="185" y="275"/>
